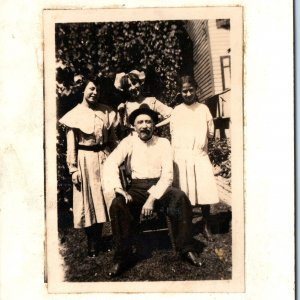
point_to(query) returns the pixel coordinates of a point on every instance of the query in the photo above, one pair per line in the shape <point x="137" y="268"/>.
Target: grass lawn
<point x="154" y="259"/>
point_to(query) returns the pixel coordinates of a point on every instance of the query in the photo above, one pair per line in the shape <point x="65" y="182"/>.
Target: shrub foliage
<point x="162" y="49"/>
<point x="219" y="151"/>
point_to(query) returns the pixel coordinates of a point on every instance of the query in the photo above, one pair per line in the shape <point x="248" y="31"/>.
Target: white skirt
<point x="194" y="175"/>
<point x="88" y="203"/>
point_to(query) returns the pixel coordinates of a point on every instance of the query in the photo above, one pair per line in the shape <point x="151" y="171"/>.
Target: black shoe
<point x="116" y="270"/>
<point x="92" y="250"/>
<point x="105" y="248"/>
<point x="92" y="253"/>
<point x="192" y="258"/>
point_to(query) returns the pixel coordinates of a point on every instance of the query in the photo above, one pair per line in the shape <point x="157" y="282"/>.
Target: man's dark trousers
<point x="125" y="217"/>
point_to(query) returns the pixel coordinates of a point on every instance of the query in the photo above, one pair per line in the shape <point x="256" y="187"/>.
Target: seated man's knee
<point x="179" y="202"/>
<point x="117" y="203"/>
<point x="178" y="195"/>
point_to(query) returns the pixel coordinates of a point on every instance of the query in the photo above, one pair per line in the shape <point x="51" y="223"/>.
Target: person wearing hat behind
<point x="131" y="84"/>
<point x="151" y="187"/>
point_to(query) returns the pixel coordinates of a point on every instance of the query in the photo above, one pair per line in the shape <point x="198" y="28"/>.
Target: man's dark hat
<point x="143" y="110"/>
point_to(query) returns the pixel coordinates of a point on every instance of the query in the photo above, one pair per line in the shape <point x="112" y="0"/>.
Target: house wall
<point x="220" y="46"/>
<point x="203" y="72"/>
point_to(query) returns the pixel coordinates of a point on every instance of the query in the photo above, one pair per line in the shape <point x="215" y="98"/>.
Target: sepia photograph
<point x="147" y="149"/>
<point x="143" y="133"/>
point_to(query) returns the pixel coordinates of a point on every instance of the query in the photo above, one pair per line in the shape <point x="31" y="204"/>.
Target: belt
<point x="148" y="180"/>
<point x="95" y="148"/>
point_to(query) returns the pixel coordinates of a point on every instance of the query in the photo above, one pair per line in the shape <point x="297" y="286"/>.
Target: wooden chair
<point x="125" y="180"/>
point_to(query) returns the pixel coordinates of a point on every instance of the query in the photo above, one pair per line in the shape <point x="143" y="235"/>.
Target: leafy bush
<point x="219" y="151"/>
<point x="162" y="49"/>
<point x="64" y="183"/>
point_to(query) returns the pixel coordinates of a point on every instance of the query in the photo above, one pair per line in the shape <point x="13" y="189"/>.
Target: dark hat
<point x="143" y="110"/>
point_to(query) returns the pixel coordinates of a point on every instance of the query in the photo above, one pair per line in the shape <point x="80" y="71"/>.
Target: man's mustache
<point x="145" y="130"/>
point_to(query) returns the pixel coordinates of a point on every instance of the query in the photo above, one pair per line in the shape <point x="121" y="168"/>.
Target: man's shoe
<point x="192" y="258"/>
<point x="116" y="270"/>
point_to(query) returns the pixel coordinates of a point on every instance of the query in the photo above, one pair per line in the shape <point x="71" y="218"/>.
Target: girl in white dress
<point x="90" y="137"/>
<point x="191" y="124"/>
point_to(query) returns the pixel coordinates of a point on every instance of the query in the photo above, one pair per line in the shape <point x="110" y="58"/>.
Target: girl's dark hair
<point x="124" y="81"/>
<point x="187" y="79"/>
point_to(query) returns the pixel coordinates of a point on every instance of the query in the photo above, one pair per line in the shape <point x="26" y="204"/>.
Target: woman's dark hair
<point x="90" y="78"/>
<point x="124" y="84"/>
<point x="187" y="79"/>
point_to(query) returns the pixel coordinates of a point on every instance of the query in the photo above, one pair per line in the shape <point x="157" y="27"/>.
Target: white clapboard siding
<point x="203" y="70"/>
<point x="219" y="44"/>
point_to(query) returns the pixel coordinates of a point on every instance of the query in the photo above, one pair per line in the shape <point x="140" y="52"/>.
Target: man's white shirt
<point x="151" y="159"/>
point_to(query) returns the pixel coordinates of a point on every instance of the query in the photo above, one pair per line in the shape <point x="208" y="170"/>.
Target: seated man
<point x="151" y="168"/>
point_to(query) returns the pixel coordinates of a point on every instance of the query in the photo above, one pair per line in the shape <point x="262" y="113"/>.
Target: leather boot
<point x="101" y="245"/>
<point x="205" y="216"/>
<point x="91" y="243"/>
<point x="206" y="232"/>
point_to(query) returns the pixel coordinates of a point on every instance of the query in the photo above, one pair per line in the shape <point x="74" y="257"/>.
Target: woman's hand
<point x="76" y="179"/>
<point x="163" y="122"/>
<point x="210" y="129"/>
<point x="127" y="197"/>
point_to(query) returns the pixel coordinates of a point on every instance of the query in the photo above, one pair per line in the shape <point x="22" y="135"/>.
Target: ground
<point x="154" y="259"/>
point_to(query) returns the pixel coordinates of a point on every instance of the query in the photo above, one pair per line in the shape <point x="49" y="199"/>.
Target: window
<point x="226" y="72"/>
<point x="223" y="23"/>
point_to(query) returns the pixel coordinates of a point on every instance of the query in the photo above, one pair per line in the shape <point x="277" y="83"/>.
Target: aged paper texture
<point x="263" y="123"/>
<point x="197" y="21"/>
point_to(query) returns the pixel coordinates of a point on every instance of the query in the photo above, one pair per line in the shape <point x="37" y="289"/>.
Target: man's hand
<point x="127" y="197"/>
<point x="147" y="209"/>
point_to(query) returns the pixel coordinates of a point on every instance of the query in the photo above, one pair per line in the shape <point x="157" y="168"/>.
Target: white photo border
<point x="54" y="261"/>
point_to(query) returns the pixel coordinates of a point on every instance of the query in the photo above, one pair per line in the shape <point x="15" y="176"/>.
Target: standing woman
<point x="90" y="137"/>
<point x="191" y="124"/>
<point x="131" y="85"/>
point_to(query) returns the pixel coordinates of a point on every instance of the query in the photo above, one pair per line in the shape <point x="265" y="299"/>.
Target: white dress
<point x="190" y="127"/>
<point x="88" y="128"/>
